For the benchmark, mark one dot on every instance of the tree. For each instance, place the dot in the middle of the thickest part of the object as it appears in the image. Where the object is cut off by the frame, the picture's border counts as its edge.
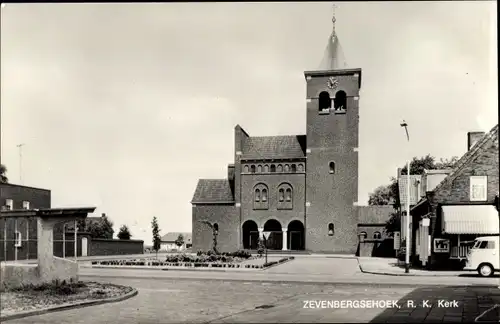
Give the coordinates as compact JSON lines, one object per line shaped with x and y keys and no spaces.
{"x":215,"y":233}
{"x":3,"y":172}
{"x":393,"y":224}
{"x":124,"y":233}
{"x":156,"y":236}
{"x":179,"y":241}
{"x":103,"y":228}
{"x":389,"y":194}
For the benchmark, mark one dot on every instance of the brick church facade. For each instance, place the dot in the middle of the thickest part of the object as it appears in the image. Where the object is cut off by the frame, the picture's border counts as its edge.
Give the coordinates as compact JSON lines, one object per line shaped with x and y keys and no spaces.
{"x":301,"y":188}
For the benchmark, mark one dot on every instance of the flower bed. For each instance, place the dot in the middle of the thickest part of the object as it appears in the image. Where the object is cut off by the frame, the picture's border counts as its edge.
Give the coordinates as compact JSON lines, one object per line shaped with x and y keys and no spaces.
{"x":229,"y":260}
{"x":49,"y":295}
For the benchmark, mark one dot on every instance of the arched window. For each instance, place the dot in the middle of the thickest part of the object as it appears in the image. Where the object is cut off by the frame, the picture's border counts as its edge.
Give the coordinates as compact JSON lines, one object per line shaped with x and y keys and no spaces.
{"x":261,"y":199}
{"x":280,"y":168}
{"x":259,"y":169}
{"x":332,"y":167}
{"x":377,"y":236}
{"x":257,"y":195}
{"x":287,"y":168}
{"x":266,"y":168}
{"x":362,"y":236}
{"x":294,"y":168}
{"x":273,"y":168}
{"x":246,"y":168}
{"x":285,"y":196}
{"x":324,"y":101}
{"x":301,"y":168}
{"x":340,"y":101}
{"x":252,"y":168}
{"x":331,"y":229}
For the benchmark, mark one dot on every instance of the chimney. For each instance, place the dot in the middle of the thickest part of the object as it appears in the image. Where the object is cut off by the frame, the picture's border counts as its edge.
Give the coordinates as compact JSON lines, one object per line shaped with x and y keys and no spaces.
{"x":473,"y":138}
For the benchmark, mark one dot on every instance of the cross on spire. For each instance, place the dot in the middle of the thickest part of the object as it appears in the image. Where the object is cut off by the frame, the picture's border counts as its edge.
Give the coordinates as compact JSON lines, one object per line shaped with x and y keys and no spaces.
{"x":333,"y":58}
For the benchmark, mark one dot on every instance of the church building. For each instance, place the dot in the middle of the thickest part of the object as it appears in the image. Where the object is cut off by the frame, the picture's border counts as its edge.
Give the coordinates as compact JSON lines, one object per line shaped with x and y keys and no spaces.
{"x":303,"y":189}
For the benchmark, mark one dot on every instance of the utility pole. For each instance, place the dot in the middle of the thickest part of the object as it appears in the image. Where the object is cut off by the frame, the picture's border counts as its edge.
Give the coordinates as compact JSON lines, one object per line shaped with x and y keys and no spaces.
{"x":20,"y":147}
{"x":408,"y":228}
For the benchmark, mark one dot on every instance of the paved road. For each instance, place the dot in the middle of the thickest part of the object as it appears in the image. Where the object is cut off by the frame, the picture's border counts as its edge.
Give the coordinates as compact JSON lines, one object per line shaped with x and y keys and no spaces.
{"x":173,"y":301}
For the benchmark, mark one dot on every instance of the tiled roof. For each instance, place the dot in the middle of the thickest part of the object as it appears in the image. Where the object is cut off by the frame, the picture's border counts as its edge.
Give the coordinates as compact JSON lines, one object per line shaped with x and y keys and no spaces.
{"x":213,"y":191}
{"x":172,"y":236}
{"x":274,"y":147}
{"x":468,"y":157}
{"x":416,"y":181}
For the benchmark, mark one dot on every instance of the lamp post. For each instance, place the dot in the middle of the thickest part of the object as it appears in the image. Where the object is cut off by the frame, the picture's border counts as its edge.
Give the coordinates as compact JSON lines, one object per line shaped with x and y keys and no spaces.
{"x":407,"y":254}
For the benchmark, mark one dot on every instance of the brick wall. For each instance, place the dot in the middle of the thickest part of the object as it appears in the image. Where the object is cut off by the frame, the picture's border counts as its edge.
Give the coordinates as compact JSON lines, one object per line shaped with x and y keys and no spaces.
{"x":27,"y":226}
{"x":115,"y":247}
{"x":38,"y":198}
{"x":226,"y":217}
{"x":272,"y":181}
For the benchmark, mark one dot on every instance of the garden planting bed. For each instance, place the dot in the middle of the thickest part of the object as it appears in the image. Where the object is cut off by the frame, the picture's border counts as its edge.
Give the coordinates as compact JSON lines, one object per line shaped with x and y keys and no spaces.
{"x":33,"y":298}
{"x":200,"y":261}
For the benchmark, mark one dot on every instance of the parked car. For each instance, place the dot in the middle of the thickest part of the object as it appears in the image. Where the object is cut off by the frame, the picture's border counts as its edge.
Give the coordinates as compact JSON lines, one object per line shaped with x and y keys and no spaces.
{"x":483,"y":257}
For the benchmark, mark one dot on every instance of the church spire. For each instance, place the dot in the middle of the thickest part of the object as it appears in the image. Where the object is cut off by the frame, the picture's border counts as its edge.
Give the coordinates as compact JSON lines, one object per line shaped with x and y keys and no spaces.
{"x":333,"y":58}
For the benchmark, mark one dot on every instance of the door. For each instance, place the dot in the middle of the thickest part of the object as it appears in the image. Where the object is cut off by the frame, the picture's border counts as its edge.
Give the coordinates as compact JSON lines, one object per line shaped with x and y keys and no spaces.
{"x":84,"y":246}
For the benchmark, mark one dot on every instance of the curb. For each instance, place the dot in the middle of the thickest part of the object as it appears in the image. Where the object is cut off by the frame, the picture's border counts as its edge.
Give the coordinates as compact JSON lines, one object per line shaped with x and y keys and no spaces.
{"x":52,"y":309}
{"x":381,"y":273}
{"x":277,"y":264}
{"x":478,"y":319}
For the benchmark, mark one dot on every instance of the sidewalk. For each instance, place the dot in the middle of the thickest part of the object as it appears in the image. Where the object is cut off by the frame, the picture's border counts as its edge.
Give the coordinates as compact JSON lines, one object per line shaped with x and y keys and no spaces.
{"x":465,"y":305}
{"x":389,"y":267}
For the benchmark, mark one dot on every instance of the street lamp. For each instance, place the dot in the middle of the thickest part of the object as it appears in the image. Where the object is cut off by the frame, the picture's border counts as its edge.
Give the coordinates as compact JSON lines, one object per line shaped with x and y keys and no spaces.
{"x":407,"y":254}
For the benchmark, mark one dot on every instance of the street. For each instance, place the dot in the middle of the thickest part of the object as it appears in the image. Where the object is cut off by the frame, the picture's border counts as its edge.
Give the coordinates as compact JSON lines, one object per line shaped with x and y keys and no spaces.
{"x":280,"y":294}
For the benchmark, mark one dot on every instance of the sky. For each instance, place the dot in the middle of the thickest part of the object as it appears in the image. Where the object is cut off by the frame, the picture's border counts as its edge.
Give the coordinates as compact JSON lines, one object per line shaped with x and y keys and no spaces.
{"x":125,"y":106}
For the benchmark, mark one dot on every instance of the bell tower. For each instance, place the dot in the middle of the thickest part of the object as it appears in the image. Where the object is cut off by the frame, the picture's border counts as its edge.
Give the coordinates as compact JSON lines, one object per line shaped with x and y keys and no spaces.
{"x":332,"y":152}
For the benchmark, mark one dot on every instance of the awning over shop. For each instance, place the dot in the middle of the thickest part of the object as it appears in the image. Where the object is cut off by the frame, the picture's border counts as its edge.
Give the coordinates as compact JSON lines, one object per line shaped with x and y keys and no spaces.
{"x":470,"y":219}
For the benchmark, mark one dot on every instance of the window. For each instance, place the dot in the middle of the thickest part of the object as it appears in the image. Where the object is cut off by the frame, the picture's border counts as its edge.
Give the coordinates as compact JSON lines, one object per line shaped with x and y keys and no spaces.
{"x":273,"y":168}
{"x":261,"y":199}
{"x":491,"y":245}
{"x":332,"y":167}
{"x":259,"y":169}
{"x":26,"y":205}
{"x":257,"y":195}
{"x":280,"y":168}
{"x":252,"y":168}
{"x":285,"y":196}
{"x":9,"y":204}
{"x":331,"y":229}
{"x":340,"y":101}
{"x":301,"y":168}
{"x":18,"y":239}
{"x":216,"y":227}
{"x":362,"y":236}
{"x":478,"y":188}
{"x":266,"y":168}
{"x":482,"y":244}
{"x":294,"y":168}
{"x":324,"y":101}
{"x":377,"y":236}
{"x":246,"y":169}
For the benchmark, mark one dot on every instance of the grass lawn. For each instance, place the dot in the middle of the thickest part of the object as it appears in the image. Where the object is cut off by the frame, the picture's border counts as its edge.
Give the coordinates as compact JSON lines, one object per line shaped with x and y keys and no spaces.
{"x":41,"y":297}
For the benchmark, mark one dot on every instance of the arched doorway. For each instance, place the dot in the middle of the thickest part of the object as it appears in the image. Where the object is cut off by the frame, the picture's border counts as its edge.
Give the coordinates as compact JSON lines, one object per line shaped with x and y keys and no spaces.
{"x":250,"y":235}
{"x":275,"y":240}
{"x":296,"y":235}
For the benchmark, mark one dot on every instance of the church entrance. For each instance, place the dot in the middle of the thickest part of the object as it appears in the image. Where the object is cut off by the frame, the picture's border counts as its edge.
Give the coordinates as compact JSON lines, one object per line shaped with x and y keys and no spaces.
{"x":296,"y":239}
{"x":250,"y":235}
{"x":275,"y":240}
